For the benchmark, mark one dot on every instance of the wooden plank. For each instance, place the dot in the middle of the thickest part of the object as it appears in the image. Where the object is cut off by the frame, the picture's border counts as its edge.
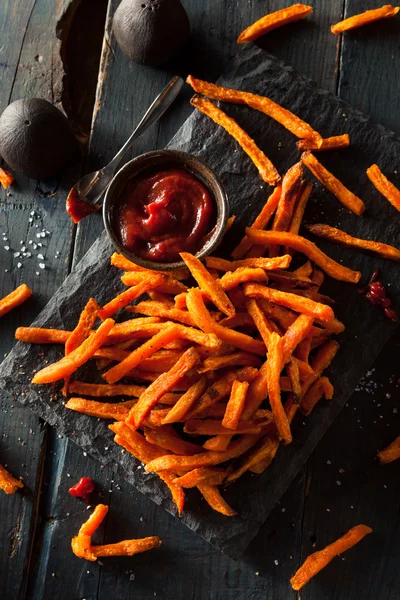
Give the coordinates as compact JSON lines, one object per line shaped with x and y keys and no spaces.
{"x":215,"y":28}
{"x":32,"y":215}
{"x":368,"y":80}
{"x":28,"y":69}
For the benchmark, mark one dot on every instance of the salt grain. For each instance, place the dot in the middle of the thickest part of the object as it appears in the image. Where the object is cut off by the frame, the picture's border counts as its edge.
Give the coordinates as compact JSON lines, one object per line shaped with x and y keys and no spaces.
{"x":42,"y":265}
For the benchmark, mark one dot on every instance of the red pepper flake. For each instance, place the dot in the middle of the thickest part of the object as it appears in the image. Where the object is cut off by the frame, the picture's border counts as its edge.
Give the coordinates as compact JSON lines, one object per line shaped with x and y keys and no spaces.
{"x":375,"y":293}
{"x":83,"y":488}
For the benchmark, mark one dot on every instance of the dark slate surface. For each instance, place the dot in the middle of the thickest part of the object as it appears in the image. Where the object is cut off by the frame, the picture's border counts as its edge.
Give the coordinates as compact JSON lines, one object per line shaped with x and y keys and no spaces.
{"x":367,"y":329}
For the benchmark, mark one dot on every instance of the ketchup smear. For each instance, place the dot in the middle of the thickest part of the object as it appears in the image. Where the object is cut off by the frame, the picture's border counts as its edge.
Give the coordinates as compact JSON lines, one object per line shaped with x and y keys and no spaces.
{"x":83,"y":488}
{"x":164,"y":213}
{"x":375,"y":293}
{"x":77,"y":208}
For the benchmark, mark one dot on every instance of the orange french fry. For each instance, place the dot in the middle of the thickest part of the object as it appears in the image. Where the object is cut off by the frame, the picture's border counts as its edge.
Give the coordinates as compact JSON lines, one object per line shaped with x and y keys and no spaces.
{"x":260,"y":222}
{"x":384,"y":186}
{"x":159,"y":309}
{"x":243,"y":275}
{"x":186,"y":402}
{"x":38,"y":335}
{"x":257,"y":392}
{"x":292,"y":369}
{"x":264,"y":326}
{"x":208,"y":284}
{"x":291,"y":122}
{"x":86,"y":321}
{"x":295,"y":302}
{"x":14,"y":299}
{"x":81,"y":544}
{"x":221,"y":388}
{"x":271,"y":21}
{"x":274,"y":368}
{"x":156,"y":296}
{"x":214,"y":427}
{"x":130,"y":330}
{"x":278,"y":262}
{"x":110,"y":354}
{"x":266,"y":169}
{"x":369,"y":16}
{"x":318,"y":560}
{"x":164,"y":284}
{"x":291,"y":188}
{"x":336,"y":187}
{"x":69,"y":364}
{"x":305,"y":270}
{"x":219,"y":443}
{"x":262,"y":454}
{"x":341,"y":237}
{"x":290,"y":279}
{"x":144,"y":351}
{"x":104,"y":410}
{"x":8,"y":483}
{"x":301,"y":244}
{"x":102,"y":390}
{"x":6,"y":179}
{"x":207,"y":459}
{"x":331,"y":143}
{"x":286,"y":317}
{"x":302,"y":351}
{"x":136,"y":445}
{"x":322,"y":387}
{"x":319,"y":363}
{"x":196,"y":476}
{"x":129,"y":296}
{"x":390,"y":453}
{"x":243,"y":359}
{"x":161,"y":361}
{"x":119,"y":261}
{"x":166,"y":437}
{"x":241,"y":319}
{"x":295,"y":334}
{"x":204,"y":320}
{"x":161,"y":386}
{"x":235,"y":405}
{"x":317,"y":277}
{"x":213,"y":497}
{"x":127,"y":547}
{"x":300,"y":208}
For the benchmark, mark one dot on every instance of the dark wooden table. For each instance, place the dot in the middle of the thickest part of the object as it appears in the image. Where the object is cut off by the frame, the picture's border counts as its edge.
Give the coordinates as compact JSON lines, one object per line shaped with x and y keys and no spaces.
{"x":65,"y":51}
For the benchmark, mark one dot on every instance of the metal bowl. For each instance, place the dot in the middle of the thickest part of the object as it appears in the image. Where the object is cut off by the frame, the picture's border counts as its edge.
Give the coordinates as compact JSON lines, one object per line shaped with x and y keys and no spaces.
{"x":166,"y":159}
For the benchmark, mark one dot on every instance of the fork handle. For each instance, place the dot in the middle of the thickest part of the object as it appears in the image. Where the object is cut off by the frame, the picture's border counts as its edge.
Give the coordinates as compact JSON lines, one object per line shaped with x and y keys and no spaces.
{"x":156,"y":110}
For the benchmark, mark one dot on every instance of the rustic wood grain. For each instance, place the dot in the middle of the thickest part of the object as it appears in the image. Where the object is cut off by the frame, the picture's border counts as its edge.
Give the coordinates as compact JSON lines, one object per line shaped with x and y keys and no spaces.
{"x":185,"y":566}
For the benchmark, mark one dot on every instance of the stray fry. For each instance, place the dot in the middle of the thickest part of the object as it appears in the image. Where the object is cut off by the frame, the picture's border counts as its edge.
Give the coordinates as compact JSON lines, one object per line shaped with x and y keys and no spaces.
{"x":213,"y":497}
{"x":320,"y":559}
{"x":281,"y":115}
{"x":6,"y":179}
{"x":369,"y":16}
{"x":17,"y":297}
{"x":341,"y":237}
{"x":273,"y":20}
{"x":391,"y":452}
{"x":342,"y":193}
{"x":384,"y":186}
{"x":8,"y":483}
{"x":331,"y":143}
{"x":266,"y":169}
{"x":82,"y":546}
{"x":297,"y":242}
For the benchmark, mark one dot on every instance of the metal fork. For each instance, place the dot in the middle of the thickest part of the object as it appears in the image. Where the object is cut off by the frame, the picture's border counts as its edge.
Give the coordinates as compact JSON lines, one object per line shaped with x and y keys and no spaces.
{"x":91,"y":186}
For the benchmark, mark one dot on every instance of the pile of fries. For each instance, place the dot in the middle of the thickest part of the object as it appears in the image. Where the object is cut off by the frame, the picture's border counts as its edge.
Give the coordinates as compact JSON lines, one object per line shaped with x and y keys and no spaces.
{"x":202,"y":355}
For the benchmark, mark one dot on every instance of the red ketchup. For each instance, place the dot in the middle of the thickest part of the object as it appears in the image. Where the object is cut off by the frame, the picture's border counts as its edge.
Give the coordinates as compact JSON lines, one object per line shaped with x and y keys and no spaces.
{"x":83,"y":488}
{"x":77,"y":208}
{"x":375,"y":293}
{"x":163,"y":213}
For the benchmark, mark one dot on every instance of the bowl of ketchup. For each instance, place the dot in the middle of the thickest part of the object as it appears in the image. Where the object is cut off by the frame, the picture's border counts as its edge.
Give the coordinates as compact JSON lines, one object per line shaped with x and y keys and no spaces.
{"x":162,"y":203}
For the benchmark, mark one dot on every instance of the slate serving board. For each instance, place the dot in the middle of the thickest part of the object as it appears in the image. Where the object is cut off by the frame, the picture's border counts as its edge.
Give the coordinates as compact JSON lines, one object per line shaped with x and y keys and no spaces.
{"x":367,"y":330}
